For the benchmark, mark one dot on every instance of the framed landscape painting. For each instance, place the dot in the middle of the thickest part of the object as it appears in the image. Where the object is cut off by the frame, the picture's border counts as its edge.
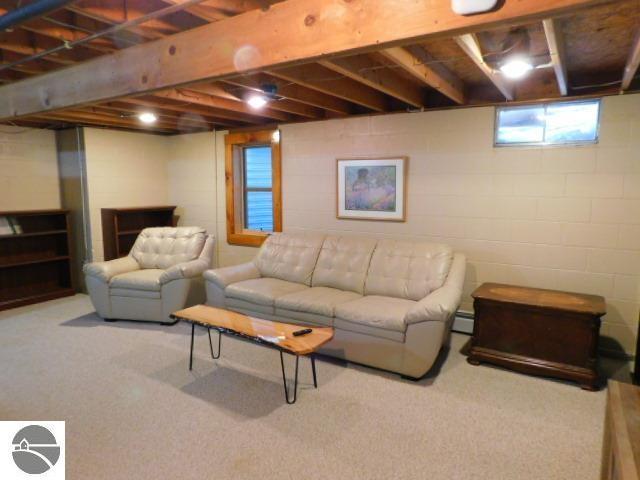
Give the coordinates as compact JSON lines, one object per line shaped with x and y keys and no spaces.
{"x":371,"y":188}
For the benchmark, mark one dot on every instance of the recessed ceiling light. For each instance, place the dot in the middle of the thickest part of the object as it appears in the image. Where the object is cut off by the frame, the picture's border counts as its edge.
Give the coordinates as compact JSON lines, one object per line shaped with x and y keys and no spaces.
{"x":257,"y":101}
{"x":147,"y":117}
{"x":516,"y":68}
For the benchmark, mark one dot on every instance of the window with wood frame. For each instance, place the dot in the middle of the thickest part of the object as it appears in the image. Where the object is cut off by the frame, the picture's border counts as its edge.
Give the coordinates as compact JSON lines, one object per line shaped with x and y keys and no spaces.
{"x":254,"y":194}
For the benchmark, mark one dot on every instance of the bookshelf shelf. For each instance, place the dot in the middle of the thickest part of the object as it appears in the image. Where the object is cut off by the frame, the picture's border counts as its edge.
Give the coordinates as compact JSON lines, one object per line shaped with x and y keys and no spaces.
{"x":121,"y":226}
{"x":35,"y":264}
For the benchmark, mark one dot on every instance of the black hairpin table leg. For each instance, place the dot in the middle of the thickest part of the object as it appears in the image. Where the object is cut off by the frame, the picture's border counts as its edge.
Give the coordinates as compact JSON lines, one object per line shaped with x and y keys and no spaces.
{"x":215,"y":357}
{"x":284,"y":380}
{"x":313,"y":369}
{"x":193,"y":328}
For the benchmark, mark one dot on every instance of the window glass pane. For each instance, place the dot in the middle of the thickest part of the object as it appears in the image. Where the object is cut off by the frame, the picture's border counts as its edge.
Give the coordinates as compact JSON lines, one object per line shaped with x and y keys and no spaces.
{"x":258,"y":167}
{"x":572,"y":122}
{"x":520,"y":125}
{"x":259,"y":211}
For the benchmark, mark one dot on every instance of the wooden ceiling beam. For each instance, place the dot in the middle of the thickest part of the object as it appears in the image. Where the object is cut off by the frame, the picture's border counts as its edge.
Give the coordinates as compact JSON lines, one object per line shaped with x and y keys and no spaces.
{"x":203,"y":100}
{"x":74,"y":117}
{"x":133,"y":110}
{"x":449,"y":85}
{"x":555,"y":42}
{"x":181,"y":106}
{"x":297,"y":99}
{"x":470,"y":45}
{"x":363,"y":69}
{"x":317,"y":77}
{"x":308,"y":30}
{"x":212,"y":96}
{"x":633,"y":62}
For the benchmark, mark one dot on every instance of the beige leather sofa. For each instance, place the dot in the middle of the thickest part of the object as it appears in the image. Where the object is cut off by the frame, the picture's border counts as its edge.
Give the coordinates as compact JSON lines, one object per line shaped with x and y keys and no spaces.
{"x":161,"y":274}
{"x":391,"y":302}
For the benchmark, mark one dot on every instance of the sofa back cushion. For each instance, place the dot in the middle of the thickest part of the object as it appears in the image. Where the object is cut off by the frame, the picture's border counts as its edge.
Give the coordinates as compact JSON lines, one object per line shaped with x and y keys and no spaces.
{"x":343,"y":263}
{"x":163,"y":247}
{"x":288,"y":256}
{"x":407,"y":269}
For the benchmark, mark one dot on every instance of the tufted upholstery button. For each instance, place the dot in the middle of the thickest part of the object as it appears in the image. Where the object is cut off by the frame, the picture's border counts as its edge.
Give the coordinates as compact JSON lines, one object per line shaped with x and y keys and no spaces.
{"x":343,"y":263}
{"x":290,"y":257}
{"x":407,"y":270}
{"x":163,"y":247}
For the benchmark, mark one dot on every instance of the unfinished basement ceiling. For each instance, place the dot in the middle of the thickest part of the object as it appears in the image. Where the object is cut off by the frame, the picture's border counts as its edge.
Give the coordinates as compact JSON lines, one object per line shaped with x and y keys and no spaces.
{"x":597,"y":43}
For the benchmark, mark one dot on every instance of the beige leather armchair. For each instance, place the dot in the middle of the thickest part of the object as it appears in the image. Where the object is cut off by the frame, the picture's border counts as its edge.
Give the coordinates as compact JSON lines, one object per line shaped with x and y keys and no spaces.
{"x":161,"y":274}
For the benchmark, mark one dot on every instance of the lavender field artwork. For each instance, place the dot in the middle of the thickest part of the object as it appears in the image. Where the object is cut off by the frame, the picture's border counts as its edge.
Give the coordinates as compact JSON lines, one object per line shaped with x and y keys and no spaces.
{"x":371,"y":189}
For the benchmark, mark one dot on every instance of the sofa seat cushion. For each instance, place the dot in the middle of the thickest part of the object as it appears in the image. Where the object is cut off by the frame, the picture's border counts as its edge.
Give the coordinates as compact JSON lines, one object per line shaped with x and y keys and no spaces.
{"x":148,"y":279}
{"x":317,"y":300}
{"x":262,"y":291}
{"x":376,"y":311}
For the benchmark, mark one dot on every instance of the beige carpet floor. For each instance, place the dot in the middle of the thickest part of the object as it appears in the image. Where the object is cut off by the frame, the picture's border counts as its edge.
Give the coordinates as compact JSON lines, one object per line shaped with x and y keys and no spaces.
{"x":134,"y":411}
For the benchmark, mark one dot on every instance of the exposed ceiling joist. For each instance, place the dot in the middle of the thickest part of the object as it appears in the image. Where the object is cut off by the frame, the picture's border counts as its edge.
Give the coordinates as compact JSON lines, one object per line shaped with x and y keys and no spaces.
{"x":470,"y":45}
{"x":555,"y":41}
{"x":633,"y":62}
{"x":307,"y":101}
{"x":450,"y":87}
{"x":326,"y":81}
{"x":200,"y":97}
{"x":363,"y":69}
{"x":248,"y":42}
{"x":188,"y":109}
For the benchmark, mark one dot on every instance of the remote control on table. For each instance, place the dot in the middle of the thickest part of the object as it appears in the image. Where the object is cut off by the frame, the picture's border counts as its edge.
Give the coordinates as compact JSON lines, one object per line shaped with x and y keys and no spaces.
{"x":297,"y":333}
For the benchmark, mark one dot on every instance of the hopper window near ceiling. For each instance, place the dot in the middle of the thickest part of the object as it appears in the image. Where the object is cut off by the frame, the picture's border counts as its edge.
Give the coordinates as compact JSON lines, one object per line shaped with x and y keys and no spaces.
{"x":253,"y":186}
{"x":561,"y":123}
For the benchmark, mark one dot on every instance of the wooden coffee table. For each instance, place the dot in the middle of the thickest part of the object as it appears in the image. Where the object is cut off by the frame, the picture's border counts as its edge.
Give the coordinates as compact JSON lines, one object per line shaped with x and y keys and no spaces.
{"x":275,"y":335}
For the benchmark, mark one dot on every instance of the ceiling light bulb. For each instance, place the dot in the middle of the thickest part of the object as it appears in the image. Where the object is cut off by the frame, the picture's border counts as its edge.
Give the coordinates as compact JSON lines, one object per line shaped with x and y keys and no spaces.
{"x":147,"y":117}
{"x":257,"y":101}
{"x":516,"y":68}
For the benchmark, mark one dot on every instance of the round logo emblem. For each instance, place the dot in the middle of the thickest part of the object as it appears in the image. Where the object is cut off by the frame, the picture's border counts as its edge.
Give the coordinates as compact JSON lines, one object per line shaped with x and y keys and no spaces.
{"x":35,"y":449}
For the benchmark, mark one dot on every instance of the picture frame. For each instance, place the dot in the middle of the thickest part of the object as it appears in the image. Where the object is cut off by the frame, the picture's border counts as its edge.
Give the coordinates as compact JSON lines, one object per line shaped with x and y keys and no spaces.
{"x":371,"y":188}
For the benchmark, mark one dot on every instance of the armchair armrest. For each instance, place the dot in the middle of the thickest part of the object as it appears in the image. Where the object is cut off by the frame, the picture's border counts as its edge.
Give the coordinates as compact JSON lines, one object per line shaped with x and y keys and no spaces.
{"x":223,"y":277}
{"x":105,"y":271}
{"x":190,"y":269}
{"x":443,"y":302}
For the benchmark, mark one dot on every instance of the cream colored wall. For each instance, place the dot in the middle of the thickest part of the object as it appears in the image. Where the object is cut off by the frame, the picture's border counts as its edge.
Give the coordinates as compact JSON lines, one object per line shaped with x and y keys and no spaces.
{"x":562,"y":218}
{"x":192,"y":183}
{"x":28,"y":169}
{"x":124,"y":169}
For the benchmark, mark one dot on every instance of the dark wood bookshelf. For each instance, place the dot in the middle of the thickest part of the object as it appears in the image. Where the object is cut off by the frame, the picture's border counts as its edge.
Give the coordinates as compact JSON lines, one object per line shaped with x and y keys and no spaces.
{"x":121,"y":226}
{"x":35,"y":264}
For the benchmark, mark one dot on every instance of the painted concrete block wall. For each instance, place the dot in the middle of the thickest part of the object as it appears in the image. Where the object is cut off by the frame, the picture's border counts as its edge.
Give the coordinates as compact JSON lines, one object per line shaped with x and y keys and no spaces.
{"x":123,"y":169}
{"x":555,"y":217}
{"x":28,"y":169}
{"x":191,"y":177}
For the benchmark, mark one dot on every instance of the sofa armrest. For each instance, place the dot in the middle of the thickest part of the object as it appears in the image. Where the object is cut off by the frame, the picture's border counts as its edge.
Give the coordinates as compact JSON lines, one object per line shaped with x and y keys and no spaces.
{"x":443,"y":302}
{"x":105,"y":271}
{"x":190,"y":269}
{"x":224,"y":277}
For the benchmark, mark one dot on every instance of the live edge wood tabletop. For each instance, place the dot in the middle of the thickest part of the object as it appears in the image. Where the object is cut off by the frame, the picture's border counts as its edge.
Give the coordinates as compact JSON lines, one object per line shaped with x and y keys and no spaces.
{"x":537,"y":331}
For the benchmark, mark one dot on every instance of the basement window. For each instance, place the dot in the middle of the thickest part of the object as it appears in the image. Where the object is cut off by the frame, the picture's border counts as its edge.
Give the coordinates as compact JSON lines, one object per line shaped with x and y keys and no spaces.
{"x":253,"y":186}
{"x":559,"y":123}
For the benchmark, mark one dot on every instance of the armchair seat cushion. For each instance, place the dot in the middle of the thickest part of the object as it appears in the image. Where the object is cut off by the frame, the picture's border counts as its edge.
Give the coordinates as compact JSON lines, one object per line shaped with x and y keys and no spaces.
{"x":148,"y":280}
{"x":387,"y":313}
{"x":316,"y":300}
{"x":262,"y":291}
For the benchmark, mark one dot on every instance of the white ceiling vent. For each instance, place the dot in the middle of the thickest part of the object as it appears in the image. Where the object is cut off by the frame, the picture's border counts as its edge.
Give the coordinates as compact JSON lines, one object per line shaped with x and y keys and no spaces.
{"x":469,"y":7}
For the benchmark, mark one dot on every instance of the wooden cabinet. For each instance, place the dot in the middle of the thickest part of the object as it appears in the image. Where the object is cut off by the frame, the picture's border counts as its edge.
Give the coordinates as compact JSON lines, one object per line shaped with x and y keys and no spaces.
{"x":621,"y":442}
{"x":35,"y":260}
{"x":121,"y":226}
{"x":536,"y":331}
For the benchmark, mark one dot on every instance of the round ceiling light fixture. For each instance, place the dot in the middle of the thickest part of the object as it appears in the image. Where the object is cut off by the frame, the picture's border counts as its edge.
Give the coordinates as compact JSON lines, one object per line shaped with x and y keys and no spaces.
{"x":516,"y":67}
{"x":260,"y":98}
{"x":148,"y":117}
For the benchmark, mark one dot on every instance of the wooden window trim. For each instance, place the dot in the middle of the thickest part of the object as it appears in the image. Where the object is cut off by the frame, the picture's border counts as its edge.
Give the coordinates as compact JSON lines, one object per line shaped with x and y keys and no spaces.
{"x":234,"y":142}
